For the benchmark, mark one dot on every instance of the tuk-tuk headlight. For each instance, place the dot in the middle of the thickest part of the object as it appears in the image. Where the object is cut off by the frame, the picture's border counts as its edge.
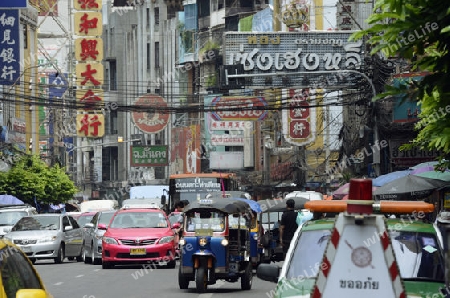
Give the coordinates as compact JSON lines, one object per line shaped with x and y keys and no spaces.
{"x":202,"y":241}
{"x":182,"y":242}
{"x":224,"y":242}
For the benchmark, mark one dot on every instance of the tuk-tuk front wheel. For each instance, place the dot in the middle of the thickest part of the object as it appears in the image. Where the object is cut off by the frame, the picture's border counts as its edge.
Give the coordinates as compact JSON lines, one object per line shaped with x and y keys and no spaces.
{"x":246,"y":279}
{"x":201,"y":279}
{"x":183,"y":282}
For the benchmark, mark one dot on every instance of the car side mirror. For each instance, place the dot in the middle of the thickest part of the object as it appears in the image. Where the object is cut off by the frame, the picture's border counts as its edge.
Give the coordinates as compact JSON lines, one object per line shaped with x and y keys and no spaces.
{"x":163,"y":200}
{"x":89,"y":225}
{"x":35,"y":293}
{"x":67,"y":228}
{"x":102,"y":227}
{"x":268,"y":272}
{"x":176,"y":225}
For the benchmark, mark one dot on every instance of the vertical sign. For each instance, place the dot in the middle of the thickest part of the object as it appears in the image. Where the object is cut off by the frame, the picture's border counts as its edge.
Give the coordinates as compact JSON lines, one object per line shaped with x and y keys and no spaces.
{"x":89,"y":69}
{"x":9,"y":47}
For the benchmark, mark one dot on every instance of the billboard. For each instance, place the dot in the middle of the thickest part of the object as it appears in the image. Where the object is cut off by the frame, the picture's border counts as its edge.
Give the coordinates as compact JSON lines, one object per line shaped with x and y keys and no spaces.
{"x":9,"y":47}
{"x":294,"y":59}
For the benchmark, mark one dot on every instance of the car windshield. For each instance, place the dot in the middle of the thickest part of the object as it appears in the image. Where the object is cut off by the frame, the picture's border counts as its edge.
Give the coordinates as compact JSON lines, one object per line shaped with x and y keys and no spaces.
{"x":418,"y":255}
{"x":9,"y":218}
{"x":139,"y":220}
{"x":34,"y":223}
{"x":84,"y":219}
{"x":105,"y":218}
{"x":205,"y":221}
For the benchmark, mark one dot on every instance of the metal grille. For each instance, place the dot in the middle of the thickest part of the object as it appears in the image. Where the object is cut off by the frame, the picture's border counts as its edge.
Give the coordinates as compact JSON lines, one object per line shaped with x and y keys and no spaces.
{"x":128,"y":256}
{"x":326,"y":59}
{"x":133,"y":242}
{"x":24,"y":241}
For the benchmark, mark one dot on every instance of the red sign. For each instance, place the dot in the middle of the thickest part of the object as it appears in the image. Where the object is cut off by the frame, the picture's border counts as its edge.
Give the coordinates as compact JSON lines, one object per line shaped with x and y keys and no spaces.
{"x":152,"y":120}
{"x":239,"y":108}
{"x":299,"y":129}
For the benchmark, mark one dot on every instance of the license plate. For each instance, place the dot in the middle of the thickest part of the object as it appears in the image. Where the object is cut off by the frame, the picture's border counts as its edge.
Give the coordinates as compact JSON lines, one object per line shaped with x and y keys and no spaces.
{"x":137,"y":251}
{"x":26,"y":249}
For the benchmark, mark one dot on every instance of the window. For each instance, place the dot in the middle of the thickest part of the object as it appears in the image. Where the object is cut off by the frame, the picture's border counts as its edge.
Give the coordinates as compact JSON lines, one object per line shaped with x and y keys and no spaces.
{"x":148,"y":56}
{"x":156,"y":15}
{"x":203,"y":9}
{"x":66,"y":221}
{"x":73,"y":222}
{"x":216,"y":5}
{"x":156,"y":54}
{"x":112,"y":75}
{"x":17,"y":272}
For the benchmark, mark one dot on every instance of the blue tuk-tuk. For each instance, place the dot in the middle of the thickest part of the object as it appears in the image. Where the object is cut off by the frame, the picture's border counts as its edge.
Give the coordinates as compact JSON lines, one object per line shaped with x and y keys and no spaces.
{"x":215,"y":244}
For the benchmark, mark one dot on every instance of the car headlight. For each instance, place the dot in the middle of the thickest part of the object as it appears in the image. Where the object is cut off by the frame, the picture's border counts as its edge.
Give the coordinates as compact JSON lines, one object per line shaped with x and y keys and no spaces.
{"x":47,"y":239}
{"x":224,"y":242}
{"x":165,"y":239}
{"x":109,"y":240}
{"x":203,"y":241}
{"x":182,"y":242}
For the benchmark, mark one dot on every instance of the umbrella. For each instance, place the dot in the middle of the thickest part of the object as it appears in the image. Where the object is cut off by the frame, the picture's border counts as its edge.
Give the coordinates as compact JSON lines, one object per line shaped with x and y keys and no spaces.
{"x":10,"y":200}
{"x":342,"y":191}
{"x":424,"y":164}
{"x":408,"y":188}
{"x":253,"y":204}
{"x":445,"y":176}
{"x":383,"y":179}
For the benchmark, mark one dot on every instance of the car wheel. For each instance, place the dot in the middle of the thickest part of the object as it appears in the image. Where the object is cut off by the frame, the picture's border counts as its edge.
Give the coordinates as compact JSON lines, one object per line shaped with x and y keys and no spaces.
{"x":171,"y":264}
{"x":95,"y":261}
{"x":183,"y":282}
{"x":80,"y":258}
{"x":201,"y":281}
{"x":246,"y":279}
{"x":107,"y":265}
{"x":60,"y":257}
{"x":86,"y":259}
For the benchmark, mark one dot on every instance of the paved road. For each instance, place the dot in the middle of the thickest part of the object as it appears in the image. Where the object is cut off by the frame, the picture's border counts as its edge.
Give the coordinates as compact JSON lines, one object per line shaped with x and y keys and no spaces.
{"x":79,"y":280}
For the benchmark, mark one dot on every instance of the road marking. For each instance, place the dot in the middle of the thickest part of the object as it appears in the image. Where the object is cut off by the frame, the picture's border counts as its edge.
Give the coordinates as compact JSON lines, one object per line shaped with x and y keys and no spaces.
{"x":97,"y":270}
{"x":58,"y":283}
{"x":81,"y":275}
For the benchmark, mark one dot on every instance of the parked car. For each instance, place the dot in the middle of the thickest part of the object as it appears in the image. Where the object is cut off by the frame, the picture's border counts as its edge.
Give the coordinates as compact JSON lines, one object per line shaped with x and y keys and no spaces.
{"x":92,"y":236}
{"x":48,"y":236}
{"x":138,"y":236}
{"x":19,"y":278}
{"x":10,"y":214}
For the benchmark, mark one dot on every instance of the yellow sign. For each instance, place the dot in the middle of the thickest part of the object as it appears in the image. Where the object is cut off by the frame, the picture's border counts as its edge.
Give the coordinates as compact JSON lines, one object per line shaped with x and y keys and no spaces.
{"x":87,"y":4}
{"x":91,"y":125}
{"x":88,"y":23}
{"x":89,"y":74}
{"x":89,"y":49}
{"x":90,"y":98}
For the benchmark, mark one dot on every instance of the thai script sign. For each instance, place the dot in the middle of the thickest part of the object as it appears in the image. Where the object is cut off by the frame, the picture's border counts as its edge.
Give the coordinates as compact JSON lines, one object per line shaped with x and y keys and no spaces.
{"x":227,"y":139}
{"x":229,"y":125}
{"x":149,"y":156}
{"x":412,"y":157}
{"x":247,"y":108}
{"x":9,"y":47}
{"x":197,"y":185}
{"x":297,"y":56}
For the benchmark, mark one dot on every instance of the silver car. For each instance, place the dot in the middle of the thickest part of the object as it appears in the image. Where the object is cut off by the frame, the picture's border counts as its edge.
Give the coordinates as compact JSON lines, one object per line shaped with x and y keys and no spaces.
{"x":92,"y":237}
{"x":48,"y":236}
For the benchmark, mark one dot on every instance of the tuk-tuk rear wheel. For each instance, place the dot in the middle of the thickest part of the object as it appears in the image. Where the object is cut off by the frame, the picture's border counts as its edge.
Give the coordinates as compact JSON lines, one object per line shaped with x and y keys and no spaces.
{"x":246,"y":279}
{"x":201,"y":281}
{"x":183,"y":282}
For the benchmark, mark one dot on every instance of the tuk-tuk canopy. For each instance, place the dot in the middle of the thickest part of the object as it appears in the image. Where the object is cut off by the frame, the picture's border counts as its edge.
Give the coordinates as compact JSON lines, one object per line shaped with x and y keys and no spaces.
{"x":225,"y":205}
{"x":279,"y":205}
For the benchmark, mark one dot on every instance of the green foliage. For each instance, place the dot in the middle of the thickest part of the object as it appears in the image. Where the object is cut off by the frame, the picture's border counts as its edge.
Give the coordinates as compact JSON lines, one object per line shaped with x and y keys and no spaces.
{"x":31,"y":177}
{"x":210,"y":45}
{"x":418,"y":31}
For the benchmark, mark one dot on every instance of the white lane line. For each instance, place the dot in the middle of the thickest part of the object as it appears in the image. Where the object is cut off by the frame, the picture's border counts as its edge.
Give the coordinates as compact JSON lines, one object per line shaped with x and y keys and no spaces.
{"x":58,"y":283}
{"x":97,"y":270}
{"x":81,"y":275}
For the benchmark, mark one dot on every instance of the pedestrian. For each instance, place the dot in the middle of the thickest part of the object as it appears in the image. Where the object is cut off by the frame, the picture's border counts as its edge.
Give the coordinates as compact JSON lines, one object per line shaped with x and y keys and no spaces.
{"x":288,"y":225}
{"x":179,"y":207}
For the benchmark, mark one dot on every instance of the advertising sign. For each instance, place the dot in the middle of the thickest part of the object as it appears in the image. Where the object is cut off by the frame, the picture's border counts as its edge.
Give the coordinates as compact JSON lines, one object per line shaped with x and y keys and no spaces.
{"x":90,"y":125}
{"x":404,"y":109}
{"x":9,"y":47}
{"x":152,"y":120}
{"x":149,"y":156}
{"x":57,"y":85}
{"x":297,"y":59}
{"x":13,"y":4}
{"x":409,"y":158}
{"x":245,"y":108}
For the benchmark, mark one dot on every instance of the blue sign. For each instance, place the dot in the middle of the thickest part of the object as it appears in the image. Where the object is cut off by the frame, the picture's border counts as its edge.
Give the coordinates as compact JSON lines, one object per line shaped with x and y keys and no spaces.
{"x":57,"y":85}
{"x":13,"y":4}
{"x":9,"y":47}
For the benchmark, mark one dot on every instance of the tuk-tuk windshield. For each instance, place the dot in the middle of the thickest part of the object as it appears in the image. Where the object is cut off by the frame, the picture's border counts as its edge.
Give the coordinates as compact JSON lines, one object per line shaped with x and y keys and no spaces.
{"x":208,"y":220}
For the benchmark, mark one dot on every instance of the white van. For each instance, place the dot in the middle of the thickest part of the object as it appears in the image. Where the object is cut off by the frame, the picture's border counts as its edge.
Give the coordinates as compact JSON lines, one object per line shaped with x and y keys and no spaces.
{"x":310,"y":195}
{"x":98,"y":205}
{"x":154,"y":203}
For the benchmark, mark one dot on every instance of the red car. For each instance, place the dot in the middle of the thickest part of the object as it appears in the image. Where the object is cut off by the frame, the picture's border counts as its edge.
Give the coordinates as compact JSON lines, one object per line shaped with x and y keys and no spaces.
{"x":139,"y":236}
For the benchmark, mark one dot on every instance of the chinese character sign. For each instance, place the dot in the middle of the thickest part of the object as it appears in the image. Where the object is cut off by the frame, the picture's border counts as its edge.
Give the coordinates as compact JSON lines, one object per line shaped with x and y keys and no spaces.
{"x":89,"y":74}
{"x":9,"y":47}
{"x":87,"y":4}
{"x":88,"y":23}
{"x":90,"y":125}
{"x":89,"y":49}
{"x":90,"y":99}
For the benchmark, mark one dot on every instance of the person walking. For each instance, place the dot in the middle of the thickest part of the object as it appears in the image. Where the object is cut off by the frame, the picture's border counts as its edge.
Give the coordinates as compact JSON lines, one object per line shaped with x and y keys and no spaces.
{"x":288,"y":225}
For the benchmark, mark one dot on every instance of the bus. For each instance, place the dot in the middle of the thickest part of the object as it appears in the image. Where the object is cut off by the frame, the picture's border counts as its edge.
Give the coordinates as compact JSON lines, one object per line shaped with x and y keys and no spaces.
{"x":190,"y":187}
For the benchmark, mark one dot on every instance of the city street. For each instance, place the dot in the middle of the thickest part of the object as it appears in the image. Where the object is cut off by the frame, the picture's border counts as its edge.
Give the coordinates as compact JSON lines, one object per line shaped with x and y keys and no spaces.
{"x":79,"y":280}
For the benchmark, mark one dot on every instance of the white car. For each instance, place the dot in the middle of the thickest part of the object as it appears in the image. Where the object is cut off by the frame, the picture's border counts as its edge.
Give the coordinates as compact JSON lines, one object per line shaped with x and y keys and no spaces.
{"x":10,"y":214}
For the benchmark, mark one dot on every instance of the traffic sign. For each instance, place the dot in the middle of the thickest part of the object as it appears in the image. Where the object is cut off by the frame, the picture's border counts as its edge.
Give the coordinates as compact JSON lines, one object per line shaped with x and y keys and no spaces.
{"x":13,"y":4}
